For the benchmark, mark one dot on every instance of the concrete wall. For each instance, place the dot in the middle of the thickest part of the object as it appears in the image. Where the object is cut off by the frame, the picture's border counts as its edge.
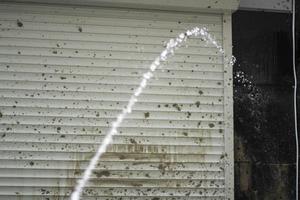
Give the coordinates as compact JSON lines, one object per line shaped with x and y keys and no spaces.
{"x":264,"y":126}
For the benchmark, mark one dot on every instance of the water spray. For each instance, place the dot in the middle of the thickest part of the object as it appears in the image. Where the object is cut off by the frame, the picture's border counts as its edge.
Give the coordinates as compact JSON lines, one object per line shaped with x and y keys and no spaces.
{"x":172,"y":45}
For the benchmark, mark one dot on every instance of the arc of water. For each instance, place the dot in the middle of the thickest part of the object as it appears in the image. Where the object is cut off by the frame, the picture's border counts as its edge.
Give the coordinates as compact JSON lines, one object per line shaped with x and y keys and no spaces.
{"x":172,"y":45}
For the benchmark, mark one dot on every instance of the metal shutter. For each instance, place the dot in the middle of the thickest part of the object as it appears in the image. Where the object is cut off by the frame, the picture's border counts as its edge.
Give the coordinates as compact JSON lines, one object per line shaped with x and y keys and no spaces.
{"x":67,"y":72}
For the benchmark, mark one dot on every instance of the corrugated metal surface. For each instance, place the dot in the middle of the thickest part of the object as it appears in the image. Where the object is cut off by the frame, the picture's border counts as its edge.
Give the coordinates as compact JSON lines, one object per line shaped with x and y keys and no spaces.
{"x":66,"y":73}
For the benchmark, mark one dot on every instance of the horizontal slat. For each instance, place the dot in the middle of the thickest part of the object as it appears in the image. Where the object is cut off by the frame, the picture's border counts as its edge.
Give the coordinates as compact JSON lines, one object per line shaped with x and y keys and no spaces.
{"x":209,"y":76}
{"x":123,"y":30}
{"x":116,"y":55}
{"x":7,"y":59}
{"x":108,"y":114}
{"x":97,"y":70}
{"x":59,"y":121}
{"x":80,"y":156}
{"x":118,"y":90}
{"x":93,"y":47}
{"x":119,"y":192}
{"x":71,"y":165}
{"x":92,"y":131}
{"x":108,"y":80}
{"x":111,"y":175}
{"x":141,"y":64}
{"x":34,"y":99}
{"x":148,"y":123}
{"x":61,"y":137}
{"x":121,"y":142}
{"x":101,"y":15}
{"x":200,"y":149}
{"x":165,"y":184}
{"x":92,"y":37}
{"x":108,"y":101}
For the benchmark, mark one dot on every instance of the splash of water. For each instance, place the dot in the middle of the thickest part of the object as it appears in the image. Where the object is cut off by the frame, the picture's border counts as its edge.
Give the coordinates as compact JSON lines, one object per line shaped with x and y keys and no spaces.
{"x":172,"y":45}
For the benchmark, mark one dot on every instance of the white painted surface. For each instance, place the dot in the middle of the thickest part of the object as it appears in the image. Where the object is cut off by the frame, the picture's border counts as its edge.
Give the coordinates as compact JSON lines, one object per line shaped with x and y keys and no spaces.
{"x":66,"y":73}
{"x":178,"y":5}
{"x":228,"y":110}
{"x":268,"y":5}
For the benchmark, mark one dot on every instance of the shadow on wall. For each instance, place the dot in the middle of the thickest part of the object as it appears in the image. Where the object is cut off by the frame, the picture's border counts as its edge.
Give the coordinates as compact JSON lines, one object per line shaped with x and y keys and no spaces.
{"x":264,"y":127}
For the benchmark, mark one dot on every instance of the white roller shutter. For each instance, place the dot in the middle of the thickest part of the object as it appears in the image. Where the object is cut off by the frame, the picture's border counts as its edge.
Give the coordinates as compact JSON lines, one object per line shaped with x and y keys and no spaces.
{"x":67,"y":72}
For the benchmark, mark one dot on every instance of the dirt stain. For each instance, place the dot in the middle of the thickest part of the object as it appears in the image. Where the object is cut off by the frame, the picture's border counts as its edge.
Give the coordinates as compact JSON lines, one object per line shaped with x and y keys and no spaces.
{"x":175,"y":105}
{"x":19,"y":23}
{"x":147,"y":115}
{"x":102,"y":173}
